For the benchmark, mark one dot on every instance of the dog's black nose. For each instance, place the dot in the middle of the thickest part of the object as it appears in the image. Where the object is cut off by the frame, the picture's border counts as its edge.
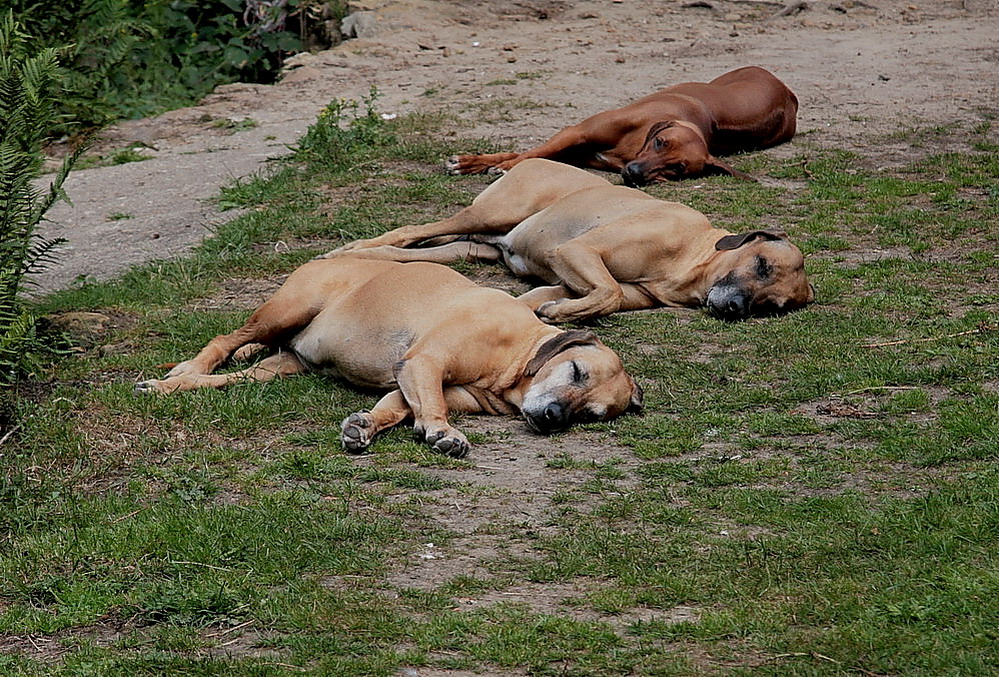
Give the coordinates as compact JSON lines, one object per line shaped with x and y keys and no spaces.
{"x":552,"y":418}
{"x":555,"y":415}
{"x":732,"y":308}
{"x":633,"y":175}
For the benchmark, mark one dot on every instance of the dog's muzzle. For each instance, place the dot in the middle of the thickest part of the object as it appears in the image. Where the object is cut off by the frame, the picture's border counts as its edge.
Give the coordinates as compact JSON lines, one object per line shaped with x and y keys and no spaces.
{"x":633,"y":175}
{"x":728,"y":303}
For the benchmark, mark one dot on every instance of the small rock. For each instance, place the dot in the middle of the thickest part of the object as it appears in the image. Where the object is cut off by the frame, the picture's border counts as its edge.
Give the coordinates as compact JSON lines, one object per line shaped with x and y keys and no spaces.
{"x":80,"y":322}
{"x":359,"y":25}
{"x":302,"y":74}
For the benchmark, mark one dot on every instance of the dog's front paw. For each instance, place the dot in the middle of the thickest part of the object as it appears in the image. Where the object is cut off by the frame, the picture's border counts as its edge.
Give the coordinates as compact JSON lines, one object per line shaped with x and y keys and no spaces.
{"x":468,"y":164}
{"x":548,"y":312}
{"x":357,"y":431}
{"x":447,"y":441}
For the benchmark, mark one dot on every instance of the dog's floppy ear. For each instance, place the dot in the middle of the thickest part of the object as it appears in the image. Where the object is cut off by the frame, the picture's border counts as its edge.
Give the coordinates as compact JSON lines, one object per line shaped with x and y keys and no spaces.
{"x":637,"y":403}
{"x":736,"y":241}
{"x":555,"y":345}
{"x":715,"y":166}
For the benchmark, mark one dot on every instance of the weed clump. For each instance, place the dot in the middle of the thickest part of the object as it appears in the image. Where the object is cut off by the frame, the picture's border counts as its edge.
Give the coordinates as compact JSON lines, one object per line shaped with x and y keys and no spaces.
{"x":342,"y":137}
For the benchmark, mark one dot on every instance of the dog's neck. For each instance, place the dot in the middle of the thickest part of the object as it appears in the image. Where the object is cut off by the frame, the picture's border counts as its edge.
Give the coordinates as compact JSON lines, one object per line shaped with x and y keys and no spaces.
{"x":521,"y":382}
{"x":687,"y":286}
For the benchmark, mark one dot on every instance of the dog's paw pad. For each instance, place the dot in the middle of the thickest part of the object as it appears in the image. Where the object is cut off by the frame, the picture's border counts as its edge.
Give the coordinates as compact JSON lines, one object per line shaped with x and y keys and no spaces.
{"x":355,"y":432}
{"x":454,"y":444}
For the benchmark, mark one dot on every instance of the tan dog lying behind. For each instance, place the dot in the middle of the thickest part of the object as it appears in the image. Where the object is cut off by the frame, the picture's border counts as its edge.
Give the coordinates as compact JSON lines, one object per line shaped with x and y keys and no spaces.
{"x":673,"y":134}
{"x":606,"y":248}
{"x":435,"y":340}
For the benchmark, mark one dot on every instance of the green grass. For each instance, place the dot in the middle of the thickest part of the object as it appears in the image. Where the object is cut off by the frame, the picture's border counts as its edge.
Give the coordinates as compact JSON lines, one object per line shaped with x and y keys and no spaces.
{"x":120,"y":156}
{"x":814,"y":494}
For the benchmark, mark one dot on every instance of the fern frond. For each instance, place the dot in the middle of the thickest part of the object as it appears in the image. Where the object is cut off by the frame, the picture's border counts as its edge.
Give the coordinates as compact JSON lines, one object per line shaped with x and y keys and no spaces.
{"x":28,"y":90}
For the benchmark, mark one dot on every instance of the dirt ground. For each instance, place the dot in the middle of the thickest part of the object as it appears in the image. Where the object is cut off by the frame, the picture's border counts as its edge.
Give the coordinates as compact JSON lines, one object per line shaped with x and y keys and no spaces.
{"x":519,"y":71}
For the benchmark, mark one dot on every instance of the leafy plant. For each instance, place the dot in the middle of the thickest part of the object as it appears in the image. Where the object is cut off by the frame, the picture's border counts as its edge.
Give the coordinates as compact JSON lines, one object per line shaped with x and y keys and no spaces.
{"x":126,"y":59}
{"x":341,"y":131}
{"x":28,"y":92}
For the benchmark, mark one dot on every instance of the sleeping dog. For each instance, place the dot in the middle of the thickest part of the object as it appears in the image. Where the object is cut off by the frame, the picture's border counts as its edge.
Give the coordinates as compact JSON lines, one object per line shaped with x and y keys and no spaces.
{"x":435,"y":340}
{"x":676,"y":133}
{"x":605,"y":248}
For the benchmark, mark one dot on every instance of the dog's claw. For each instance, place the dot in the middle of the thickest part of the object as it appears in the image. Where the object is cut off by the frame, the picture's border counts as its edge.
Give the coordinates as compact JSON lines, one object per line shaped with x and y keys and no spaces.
{"x":144,"y":387}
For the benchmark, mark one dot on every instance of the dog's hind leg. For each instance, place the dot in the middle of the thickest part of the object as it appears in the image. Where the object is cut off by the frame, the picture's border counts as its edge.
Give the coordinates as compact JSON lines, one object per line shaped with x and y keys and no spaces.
{"x":291,"y":308}
{"x":248,"y":352}
{"x":472,"y":220}
{"x":281,"y":364}
{"x":448,"y":253}
{"x":497,"y":210}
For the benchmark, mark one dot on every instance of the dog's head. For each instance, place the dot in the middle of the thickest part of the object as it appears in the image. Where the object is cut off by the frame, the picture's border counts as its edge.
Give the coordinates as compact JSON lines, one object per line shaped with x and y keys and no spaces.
{"x":761,"y":274}
{"x":575,"y":379}
{"x":674,"y":150}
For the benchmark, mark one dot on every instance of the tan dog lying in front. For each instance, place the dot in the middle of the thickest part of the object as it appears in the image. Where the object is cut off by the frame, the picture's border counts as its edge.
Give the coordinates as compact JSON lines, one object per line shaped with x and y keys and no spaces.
{"x":435,"y":340}
{"x":605,"y":248}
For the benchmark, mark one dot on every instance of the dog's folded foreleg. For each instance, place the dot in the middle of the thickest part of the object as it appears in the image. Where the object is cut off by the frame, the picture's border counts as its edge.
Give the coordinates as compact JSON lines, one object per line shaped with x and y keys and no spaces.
{"x":540,"y":296}
{"x":359,"y":429}
{"x":582,"y":270}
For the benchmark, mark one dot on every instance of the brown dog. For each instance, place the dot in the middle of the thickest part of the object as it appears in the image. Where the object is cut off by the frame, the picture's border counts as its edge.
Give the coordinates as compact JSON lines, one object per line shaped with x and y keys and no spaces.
{"x":606,"y":248}
{"x":675,"y":133}
{"x":436,"y":340}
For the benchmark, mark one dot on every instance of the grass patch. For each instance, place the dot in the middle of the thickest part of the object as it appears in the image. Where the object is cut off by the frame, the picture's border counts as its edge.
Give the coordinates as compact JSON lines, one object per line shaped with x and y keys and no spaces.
{"x":814,"y":494}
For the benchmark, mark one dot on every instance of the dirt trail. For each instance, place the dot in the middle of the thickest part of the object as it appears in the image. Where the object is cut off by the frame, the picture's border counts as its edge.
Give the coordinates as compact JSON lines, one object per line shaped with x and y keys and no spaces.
{"x":518,"y":71}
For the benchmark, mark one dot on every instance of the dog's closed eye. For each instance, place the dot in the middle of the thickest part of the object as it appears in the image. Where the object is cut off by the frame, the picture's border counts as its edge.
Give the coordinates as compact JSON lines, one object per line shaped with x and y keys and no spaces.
{"x":764,"y":268}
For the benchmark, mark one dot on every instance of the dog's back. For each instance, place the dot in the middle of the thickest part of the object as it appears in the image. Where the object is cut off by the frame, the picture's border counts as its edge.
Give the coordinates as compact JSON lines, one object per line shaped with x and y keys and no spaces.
{"x":745,"y":109}
{"x":635,"y":218}
{"x":751,"y":108}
